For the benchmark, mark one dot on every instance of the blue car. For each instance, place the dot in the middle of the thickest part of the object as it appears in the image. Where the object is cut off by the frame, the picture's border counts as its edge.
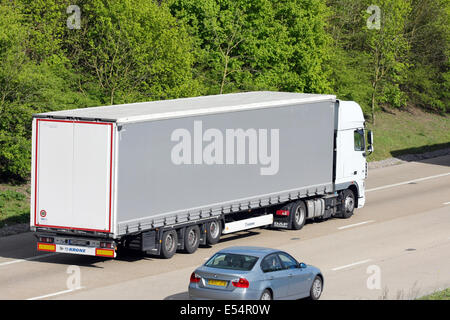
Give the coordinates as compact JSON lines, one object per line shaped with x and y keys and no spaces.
{"x":253,"y":273}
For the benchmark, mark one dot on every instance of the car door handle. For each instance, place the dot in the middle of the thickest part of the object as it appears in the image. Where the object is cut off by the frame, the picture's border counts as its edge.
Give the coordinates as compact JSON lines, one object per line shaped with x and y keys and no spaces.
{"x":291,"y":275}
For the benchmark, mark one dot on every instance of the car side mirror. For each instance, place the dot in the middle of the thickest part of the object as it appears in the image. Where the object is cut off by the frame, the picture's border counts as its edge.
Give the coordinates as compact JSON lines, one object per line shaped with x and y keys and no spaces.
{"x":302,"y":265}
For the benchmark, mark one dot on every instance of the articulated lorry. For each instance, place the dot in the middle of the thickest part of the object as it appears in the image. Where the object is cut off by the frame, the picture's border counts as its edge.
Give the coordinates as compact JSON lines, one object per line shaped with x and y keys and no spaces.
{"x":171,"y":175}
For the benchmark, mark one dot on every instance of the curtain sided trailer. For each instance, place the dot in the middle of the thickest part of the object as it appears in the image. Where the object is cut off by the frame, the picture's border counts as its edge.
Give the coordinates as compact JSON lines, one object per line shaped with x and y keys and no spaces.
{"x":170,"y":175}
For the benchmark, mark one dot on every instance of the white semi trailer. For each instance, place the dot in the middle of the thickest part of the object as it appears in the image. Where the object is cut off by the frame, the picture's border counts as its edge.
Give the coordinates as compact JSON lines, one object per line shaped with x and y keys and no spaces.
{"x":171,"y":175}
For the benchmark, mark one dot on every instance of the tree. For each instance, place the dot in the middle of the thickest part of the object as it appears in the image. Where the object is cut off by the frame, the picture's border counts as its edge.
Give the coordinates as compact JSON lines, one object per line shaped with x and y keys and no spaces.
{"x":428,"y":30}
{"x":134,"y":49}
{"x":389,"y":50}
{"x":258,"y":44}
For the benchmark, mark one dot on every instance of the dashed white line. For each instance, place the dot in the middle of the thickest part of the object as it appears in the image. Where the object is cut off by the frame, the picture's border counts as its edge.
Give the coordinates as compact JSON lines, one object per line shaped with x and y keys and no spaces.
{"x":445,"y":203}
{"x":355,"y":224}
{"x":27,"y":259}
{"x":407,"y":182}
{"x":351,"y":265}
{"x":55,"y":294}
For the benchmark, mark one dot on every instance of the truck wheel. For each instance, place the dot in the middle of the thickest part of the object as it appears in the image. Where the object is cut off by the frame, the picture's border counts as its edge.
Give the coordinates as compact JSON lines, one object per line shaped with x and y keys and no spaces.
{"x":191,"y":238}
{"x":213,"y":232}
{"x":298,"y":215}
{"x":348,"y":199}
{"x":169,"y":244}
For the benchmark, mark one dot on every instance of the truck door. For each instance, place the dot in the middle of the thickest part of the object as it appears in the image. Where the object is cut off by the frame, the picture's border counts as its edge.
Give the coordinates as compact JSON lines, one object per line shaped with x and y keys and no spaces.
{"x":351,"y":163}
{"x":72,"y":174}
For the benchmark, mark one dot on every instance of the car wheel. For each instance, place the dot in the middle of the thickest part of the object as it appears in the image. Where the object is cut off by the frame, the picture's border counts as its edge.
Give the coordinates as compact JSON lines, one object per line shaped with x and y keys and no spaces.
{"x":298,"y":215}
{"x":316,"y":288}
{"x":266,"y":295}
{"x":348,"y":203}
{"x":169,"y":244}
{"x":191,"y":239}
{"x":213,"y":232}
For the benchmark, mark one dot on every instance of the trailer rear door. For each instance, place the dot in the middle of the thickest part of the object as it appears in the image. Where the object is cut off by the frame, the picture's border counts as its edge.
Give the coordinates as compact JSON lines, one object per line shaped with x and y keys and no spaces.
{"x":73,"y":174}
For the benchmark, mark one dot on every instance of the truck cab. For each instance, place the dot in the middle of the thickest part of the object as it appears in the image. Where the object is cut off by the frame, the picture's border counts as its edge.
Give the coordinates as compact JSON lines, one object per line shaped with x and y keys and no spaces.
{"x":351,"y":152}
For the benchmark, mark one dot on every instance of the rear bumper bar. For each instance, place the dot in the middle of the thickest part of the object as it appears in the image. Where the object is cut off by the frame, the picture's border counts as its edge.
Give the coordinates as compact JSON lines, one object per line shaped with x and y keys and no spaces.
{"x":88,"y":251}
{"x":76,"y":245}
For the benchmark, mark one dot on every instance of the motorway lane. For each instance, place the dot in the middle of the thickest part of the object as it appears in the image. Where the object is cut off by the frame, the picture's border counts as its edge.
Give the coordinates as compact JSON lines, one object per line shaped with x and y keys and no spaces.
{"x":409,"y":216}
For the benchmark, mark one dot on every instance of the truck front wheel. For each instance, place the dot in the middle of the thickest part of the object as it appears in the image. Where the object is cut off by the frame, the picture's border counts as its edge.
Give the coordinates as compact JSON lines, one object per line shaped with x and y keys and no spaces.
{"x":169,"y":244}
{"x":348,"y":203}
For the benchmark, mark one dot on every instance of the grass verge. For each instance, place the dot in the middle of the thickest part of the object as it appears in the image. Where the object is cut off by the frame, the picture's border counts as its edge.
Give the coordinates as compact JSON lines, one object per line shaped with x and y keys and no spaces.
{"x":400,"y":132}
{"x":439,"y":295}
{"x":14,"y":204}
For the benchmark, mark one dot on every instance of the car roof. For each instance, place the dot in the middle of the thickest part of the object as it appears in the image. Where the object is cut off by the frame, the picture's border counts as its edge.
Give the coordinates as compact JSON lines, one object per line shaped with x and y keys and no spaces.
{"x":251,"y":251}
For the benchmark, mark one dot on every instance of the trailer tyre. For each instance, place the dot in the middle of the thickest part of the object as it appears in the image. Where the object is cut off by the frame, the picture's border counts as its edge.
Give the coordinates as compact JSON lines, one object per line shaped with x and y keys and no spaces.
{"x":298,"y":215}
{"x":213,"y":232}
{"x":191,"y":239}
{"x":169,"y":244}
{"x":348,"y":205}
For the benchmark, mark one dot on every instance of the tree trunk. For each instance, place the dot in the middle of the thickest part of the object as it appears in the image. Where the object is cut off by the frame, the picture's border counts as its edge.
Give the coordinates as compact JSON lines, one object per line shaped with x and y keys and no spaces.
{"x":224,"y":75}
{"x":373,"y":107}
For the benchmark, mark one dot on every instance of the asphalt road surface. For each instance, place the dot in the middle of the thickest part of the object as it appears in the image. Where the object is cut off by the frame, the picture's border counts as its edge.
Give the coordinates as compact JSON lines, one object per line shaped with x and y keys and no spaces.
{"x":396,"y":247}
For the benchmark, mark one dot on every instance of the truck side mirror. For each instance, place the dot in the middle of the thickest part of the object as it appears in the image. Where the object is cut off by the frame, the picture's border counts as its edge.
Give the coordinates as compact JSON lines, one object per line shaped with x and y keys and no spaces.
{"x":370,"y":141}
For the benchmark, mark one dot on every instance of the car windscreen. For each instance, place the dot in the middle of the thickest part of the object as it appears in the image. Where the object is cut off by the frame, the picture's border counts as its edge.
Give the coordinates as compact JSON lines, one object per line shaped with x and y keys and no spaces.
{"x":232,"y":261}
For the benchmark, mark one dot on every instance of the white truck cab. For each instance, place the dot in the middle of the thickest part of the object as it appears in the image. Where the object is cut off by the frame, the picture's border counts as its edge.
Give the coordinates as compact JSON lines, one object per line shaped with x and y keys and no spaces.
{"x":351,"y":163}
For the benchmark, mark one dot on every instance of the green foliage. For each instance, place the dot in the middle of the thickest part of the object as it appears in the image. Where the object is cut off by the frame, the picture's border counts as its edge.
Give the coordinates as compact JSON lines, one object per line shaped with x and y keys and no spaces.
{"x":404,"y":62}
{"x":258,"y":44}
{"x":132,"y":50}
{"x":428,"y":81}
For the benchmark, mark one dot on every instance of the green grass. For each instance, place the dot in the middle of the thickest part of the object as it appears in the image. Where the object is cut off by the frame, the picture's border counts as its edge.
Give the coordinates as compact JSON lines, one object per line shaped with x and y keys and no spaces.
{"x":440,"y":295}
{"x":405,"y":132}
{"x":14,"y":204}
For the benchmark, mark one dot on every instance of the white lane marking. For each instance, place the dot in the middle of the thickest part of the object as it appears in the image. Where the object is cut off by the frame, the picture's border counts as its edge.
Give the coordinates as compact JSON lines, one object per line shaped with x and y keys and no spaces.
{"x":446,"y":202}
{"x":351,"y":265}
{"x":55,"y":294}
{"x":406,"y":182}
{"x":27,"y":259}
{"x":355,"y":224}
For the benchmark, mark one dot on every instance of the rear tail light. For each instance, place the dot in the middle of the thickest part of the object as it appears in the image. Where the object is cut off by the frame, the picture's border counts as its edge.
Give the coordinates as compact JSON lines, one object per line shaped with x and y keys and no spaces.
{"x":241,"y":283}
{"x":46,"y":239}
{"x":282,"y":212}
{"x":195,"y":278}
{"x":106,"y":245}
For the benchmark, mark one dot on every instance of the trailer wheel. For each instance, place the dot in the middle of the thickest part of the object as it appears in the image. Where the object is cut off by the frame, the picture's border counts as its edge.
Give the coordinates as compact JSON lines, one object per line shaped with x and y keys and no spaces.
{"x":213,"y":232}
{"x":169,"y":244}
{"x":191,"y":238}
{"x":348,"y":205}
{"x":298,"y":215}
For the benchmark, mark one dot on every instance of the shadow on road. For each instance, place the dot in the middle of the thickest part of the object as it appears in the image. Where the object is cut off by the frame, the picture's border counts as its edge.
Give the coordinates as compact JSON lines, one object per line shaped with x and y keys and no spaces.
{"x":432,"y":154}
{"x":178,"y":296}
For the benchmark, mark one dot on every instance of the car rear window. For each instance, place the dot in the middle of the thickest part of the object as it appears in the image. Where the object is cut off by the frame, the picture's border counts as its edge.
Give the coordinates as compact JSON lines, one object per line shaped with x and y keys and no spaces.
{"x":232,"y":261}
